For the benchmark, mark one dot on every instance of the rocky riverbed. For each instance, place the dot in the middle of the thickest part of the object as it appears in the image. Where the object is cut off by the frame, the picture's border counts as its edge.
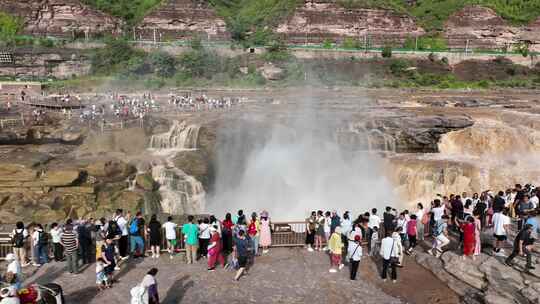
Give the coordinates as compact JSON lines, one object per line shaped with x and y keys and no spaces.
{"x":416,"y":144}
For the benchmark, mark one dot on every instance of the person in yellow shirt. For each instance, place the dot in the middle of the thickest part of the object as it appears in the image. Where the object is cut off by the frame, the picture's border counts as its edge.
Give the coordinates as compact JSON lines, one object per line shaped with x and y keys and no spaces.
{"x":335,"y":246}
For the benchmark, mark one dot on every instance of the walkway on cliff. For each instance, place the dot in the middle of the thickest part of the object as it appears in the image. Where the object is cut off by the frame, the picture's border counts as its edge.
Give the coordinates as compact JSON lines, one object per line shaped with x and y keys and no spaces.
{"x":283,"y":276}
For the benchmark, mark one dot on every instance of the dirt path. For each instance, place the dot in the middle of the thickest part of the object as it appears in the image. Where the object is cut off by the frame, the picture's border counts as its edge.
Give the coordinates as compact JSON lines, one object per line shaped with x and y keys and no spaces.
{"x":282,"y":276}
{"x":415,"y":283}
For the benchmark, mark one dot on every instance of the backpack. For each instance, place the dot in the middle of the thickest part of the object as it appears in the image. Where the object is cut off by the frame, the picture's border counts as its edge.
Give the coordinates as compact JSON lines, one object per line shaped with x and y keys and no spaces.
{"x":252,"y":229}
{"x":18,"y":239}
{"x":43,"y":238}
{"x":425,"y":218}
{"x":134,"y":226}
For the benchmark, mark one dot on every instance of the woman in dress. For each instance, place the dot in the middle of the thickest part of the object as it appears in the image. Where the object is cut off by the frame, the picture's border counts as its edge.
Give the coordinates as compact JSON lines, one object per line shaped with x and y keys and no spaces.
{"x":214,"y":250}
{"x":477,"y":230}
{"x":319,"y":234}
{"x":265,"y":237}
{"x":468,"y":229}
{"x":154,"y":230}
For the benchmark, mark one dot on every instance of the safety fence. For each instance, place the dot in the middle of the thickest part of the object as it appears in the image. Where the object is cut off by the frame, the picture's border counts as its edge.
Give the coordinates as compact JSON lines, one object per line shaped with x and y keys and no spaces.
{"x":283,"y":234}
{"x":12,"y":122}
{"x":122,"y":124}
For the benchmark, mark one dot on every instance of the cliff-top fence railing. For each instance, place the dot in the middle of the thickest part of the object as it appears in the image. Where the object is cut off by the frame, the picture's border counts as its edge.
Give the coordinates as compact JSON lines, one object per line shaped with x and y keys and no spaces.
{"x":284,"y":234}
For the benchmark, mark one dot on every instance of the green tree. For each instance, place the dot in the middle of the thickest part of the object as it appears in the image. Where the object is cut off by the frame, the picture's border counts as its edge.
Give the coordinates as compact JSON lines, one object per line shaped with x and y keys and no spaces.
{"x":164,"y":64}
{"x":386,"y":51}
{"x":10,"y":26}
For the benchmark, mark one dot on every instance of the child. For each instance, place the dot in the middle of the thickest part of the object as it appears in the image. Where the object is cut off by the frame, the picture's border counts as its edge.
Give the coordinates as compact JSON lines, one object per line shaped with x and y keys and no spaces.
{"x":374,"y":241}
{"x":335,"y":246}
{"x":233,"y":260}
{"x":101,"y":279}
{"x":411,"y":233}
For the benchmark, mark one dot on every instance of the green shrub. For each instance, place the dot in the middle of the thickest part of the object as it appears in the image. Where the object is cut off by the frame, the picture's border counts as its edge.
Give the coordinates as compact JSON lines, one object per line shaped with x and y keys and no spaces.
{"x":252,"y":21}
{"x":445,"y":61}
{"x":432,"y":43}
{"x":10,"y":26}
{"x":398,"y":66}
{"x":386,"y":52}
{"x":114,"y":56}
{"x":164,"y":65}
{"x":328,"y":44}
{"x":350,"y":43}
{"x":522,"y":48}
{"x":131,"y":11}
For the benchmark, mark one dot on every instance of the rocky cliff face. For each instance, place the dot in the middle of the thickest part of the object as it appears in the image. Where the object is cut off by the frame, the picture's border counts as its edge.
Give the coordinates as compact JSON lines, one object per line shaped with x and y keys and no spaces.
{"x":42,"y":63}
{"x":486,"y":30}
{"x":61,"y":18}
{"x":180,"y":19}
{"x":316,"y":21}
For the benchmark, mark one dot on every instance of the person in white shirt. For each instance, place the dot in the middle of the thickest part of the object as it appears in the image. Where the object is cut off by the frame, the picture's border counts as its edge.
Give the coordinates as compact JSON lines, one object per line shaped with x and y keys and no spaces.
{"x":204,"y":237}
{"x":354,"y":253}
{"x":170,"y":235}
{"x":390,"y":254}
{"x":327,"y":222}
{"x":373,"y":221}
{"x":534,"y":199}
{"x":346,"y":228}
{"x":14,"y":267}
{"x":501,"y":223}
{"x":123,"y":225}
{"x":56,"y":233}
{"x":437,"y":210}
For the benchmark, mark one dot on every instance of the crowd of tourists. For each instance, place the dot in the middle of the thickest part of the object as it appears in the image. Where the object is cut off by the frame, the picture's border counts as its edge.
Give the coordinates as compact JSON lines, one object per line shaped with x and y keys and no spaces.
{"x":201,"y":103}
{"x":236,"y":241}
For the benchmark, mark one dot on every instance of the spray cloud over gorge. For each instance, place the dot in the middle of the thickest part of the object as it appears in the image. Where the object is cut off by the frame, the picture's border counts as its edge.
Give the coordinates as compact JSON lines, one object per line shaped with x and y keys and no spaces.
{"x":294,"y":164}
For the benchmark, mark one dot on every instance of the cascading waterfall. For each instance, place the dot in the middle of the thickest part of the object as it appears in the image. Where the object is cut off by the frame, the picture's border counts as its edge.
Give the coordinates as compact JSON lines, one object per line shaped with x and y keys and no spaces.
{"x":180,"y":192}
{"x":358,"y":136}
{"x":180,"y":136}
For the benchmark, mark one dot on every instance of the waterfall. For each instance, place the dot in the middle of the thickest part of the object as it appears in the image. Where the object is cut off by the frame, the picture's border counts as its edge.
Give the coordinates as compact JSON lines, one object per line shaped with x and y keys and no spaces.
{"x":180,"y":193}
{"x":360,"y":138}
{"x":180,"y":136}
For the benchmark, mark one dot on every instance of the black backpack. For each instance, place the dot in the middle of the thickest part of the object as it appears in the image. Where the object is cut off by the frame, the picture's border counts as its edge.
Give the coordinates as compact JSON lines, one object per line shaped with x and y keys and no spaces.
{"x":18,"y":239}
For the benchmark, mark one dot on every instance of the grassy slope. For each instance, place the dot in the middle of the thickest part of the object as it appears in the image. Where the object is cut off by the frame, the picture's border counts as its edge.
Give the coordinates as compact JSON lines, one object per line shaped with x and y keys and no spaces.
{"x":432,"y":14}
{"x":131,"y":11}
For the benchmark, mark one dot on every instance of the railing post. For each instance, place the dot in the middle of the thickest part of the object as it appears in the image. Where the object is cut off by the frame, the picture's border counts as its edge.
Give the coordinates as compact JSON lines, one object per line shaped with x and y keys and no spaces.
{"x":22,"y":118}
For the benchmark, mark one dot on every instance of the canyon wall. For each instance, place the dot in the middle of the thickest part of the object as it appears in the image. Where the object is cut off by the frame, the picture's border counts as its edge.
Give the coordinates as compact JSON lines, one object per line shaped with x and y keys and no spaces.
{"x":181,"y":19}
{"x":47,"y":62}
{"x":316,"y":21}
{"x":484,"y":29}
{"x":61,"y":18}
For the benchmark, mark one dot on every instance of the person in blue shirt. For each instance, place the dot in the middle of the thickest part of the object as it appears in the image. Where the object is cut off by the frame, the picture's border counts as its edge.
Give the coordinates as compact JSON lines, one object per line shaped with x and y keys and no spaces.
{"x":242,"y":248}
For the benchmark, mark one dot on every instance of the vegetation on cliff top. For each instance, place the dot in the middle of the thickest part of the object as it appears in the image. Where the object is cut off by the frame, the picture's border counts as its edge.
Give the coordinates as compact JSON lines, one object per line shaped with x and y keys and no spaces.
{"x":252,"y":21}
{"x":9,"y":27}
{"x":131,"y":11}
{"x":198,"y":66}
{"x":431,"y":14}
